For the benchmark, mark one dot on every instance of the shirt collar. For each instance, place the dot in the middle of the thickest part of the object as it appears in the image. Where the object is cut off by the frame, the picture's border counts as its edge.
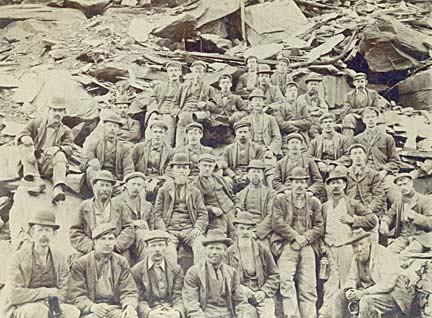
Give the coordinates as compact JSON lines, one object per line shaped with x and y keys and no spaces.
{"x":150,"y":264}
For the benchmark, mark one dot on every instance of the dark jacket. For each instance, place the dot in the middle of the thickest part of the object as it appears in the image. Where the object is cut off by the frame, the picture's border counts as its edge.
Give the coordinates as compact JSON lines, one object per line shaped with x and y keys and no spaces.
{"x":234,"y":104}
{"x":140,"y":156}
{"x":230,"y":155}
{"x":340,"y":146}
{"x":82,"y":287}
{"x":160,"y":96}
{"x":242,"y":82}
{"x":123,"y":158}
{"x":164,"y":206}
{"x":207,"y":94}
{"x":292,"y":117}
{"x":267,"y":271}
{"x":85,"y":222}
{"x":352,"y":105}
{"x":147,"y":298}
{"x":271,"y":134}
{"x":130,"y":131}
{"x":145,"y":207}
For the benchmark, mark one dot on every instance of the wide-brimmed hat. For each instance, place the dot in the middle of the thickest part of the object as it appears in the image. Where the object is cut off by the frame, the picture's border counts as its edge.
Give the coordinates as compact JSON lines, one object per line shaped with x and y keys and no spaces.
{"x":158,"y":123}
{"x":354,"y":146}
{"x":122,"y":99}
{"x":298,"y":173}
{"x":242,"y":123}
{"x":256,"y":93}
{"x":181,"y":159}
{"x":402,"y":175}
{"x":216,"y":236}
{"x":104,"y":175}
{"x":295,"y":136}
{"x":244,"y":218}
{"x":358,"y":76}
{"x":133,"y":175}
{"x":340,"y":172}
{"x":112,"y":118}
{"x":57,"y":102}
{"x":264,"y":69}
{"x":313,"y":77}
{"x":194,"y":125}
{"x":44,"y":217}
{"x":156,"y":235}
{"x":355,"y":236}
{"x":103,"y":229}
{"x":256,"y":164}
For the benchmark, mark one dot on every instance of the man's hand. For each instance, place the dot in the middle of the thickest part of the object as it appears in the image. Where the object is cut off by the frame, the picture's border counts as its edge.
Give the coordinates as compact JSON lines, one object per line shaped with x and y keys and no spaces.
{"x":259,"y":296}
{"x":411,"y":214}
{"x":141,"y":224}
{"x":129,"y":312}
{"x":384,"y":228}
{"x":100,"y":310}
{"x":27,"y":141}
{"x":217,"y":211}
{"x":323,"y":249}
{"x":295,"y":246}
{"x":355,"y":294}
{"x":301,"y":240}
{"x":201,"y":105}
{"x":346,"y":219}
{"x":53,"y":292}
{"x":51,"y":151}
{"x":94,"y":164}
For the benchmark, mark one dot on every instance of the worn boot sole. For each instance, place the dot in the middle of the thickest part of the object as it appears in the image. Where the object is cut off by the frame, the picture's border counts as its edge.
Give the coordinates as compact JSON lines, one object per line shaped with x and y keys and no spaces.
{"x":59,"y":197}
{"x":36,"y":190}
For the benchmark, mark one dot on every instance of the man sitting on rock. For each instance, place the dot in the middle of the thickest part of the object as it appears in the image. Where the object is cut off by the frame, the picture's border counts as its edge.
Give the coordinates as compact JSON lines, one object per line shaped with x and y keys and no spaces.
{"x":280,"y":77}
{"x":248,"y":81}
{"x":130,"y":129}
{"x":272,"y":93}
{"x":44,"y":145}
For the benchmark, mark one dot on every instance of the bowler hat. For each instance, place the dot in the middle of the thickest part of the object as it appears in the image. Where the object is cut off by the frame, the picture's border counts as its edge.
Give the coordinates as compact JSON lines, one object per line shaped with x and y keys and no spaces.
{"x":57,"y":102}
{"x":173,"y":64}
{"x":313,"y":77}
{"x":295,"y":136}
{"x":113,"y":118}
{"x":256,"y":164}
{"x":159,"y":123}
{"x":257,"y":93}
{"x":133,"y":175}
{"x":196,"y":63}
{"x":104,"y":175}
{"x":354,"y":146}
{"x":103,"y":229}
{"x":242,"y":123}
{"x":264,"y":69}
{"x":180,"y":159}
{"x":298,"y":173}
{"x":194,"y":125}
{"x":122,"y":99}
{"x":244,"y":218}
{"x":44,"y":217}
{"x":207,"y":157}
{"x":360,"y":76}
{"x":402,"y":175}
{"x":156,"y":235}
{"x":216,"y":236}
{"x":340,"y":172}
{"x":355,"y":236}
{"x":326,"y":116}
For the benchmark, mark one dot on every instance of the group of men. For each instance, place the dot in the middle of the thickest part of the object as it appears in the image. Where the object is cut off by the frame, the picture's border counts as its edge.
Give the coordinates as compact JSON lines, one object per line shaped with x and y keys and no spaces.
{"x":255,"y":219}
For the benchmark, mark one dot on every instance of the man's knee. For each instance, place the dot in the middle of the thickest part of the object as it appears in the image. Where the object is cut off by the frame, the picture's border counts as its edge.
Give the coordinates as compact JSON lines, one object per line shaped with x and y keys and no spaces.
{"x":59,"y":157}
{"x":69,"y":311}
{"x":31,"y":310}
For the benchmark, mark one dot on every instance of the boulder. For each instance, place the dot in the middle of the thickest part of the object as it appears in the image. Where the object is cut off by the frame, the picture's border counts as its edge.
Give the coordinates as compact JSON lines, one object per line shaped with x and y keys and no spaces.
{"x":416,"y":91}
{"x":88,"y":7}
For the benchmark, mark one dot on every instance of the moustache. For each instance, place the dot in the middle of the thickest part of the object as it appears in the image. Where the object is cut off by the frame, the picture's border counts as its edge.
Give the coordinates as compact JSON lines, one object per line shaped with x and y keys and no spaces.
{"x":44,"y":240}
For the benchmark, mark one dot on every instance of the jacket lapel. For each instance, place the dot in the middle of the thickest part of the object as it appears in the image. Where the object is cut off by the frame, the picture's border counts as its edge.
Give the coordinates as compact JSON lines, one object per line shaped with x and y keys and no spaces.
{"x":164,"y":156}
{"x":100,"y":151}
{"x":60,"y":134}
{"x":27,"y":263}
{"x":170,"y":276}
{"x":41,"y":131}
{"x":91,"y":276}
{"x":184,"y":93}
{"x":88,"y":214}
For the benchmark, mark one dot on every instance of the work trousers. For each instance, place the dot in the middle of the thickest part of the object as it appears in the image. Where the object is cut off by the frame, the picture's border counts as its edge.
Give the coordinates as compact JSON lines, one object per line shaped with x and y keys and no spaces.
{"x":370,"y":306}
{"x":40,"y":309}
{"x":169,"y":120}
{"x":265,"y":309}
{"x":177,"y":241}
{"x":46,"y":165}
{"x":138,"y":248}
{"x":223,"y":222}
{"x":404,"y":246}
{"x":300,"y":264}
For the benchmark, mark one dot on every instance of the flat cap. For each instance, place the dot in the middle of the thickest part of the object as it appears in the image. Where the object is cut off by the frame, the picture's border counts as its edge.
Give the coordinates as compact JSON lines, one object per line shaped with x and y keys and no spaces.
{"x":291,"y":83}
{"x":133,"y":175}
{"x":156,"y":235}
{"x":283,"y":59}
{"x":122,"y":99}
{"x":295,"y":136}
{"x":196,"y":63}
{"x":194,"y":125}
{"x":402,"y":175}
{"x":369,"y":110}
{"x":264,"y":69}
{"x":229,"y":76}
{"x":257,"y":93}
{"x":112,"y":117}
{"x":313,"y":77}
{"x":103,"y":229}
{"x":256,"y":164}
{"x":360,"y":76}
{"x":355,"y":146}
{"x":159,"y":123}
{"x":244,"y":218}
{"x":242,"y":123}
{"x":326,"y":116}
{"x":207,"y":157}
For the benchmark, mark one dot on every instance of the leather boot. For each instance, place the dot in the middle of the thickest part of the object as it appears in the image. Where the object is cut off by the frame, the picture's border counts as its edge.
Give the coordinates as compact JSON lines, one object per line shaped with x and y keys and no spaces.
{"x":58,"y":194}
{"x":34,"y":185}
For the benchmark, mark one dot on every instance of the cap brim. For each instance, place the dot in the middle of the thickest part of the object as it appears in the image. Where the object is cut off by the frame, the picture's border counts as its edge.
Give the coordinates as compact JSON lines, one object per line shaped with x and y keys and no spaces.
{"x":33,"y":222}
{"x":244,"y":222}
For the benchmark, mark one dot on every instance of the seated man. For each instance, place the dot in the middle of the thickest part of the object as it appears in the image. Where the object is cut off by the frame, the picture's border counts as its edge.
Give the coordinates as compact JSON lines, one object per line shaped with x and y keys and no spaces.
{"x":194,"y":149}
{"x":107,"y":154}
{"x":101,"y":284}
{"x":239,"y":154}
{"x":412,"y":221}
{"x":329,"y":149}
{"x":130,"y":129}
{"x":193,"y":101}
{"x":161,"y":104}
{"x":151,"y":157}
{"x":422,"y":177}
{"x":44,"y":146}
{"x":218,"y":197}
{"x":355,"y":101}
{"x":37,"y":273}
{"x":139,"y":209}
{"x":295,"y":158}
{"x":373,"y":281}
{"x":99,"y":210}
{"x":159,"y":280}
{"x":212,"y":289}
{"x":255,"y":265}
{"x":258,"y":199}
{"x":247,"y":82}
{"x":180,"y":210}
{"x":272,"y":93}
{"x":280,"y":77}
{"x":290,"y":116}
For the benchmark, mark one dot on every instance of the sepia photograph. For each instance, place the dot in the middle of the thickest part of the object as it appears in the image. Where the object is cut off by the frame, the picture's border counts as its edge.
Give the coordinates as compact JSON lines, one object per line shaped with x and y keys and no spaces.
{"x":216,"y":158}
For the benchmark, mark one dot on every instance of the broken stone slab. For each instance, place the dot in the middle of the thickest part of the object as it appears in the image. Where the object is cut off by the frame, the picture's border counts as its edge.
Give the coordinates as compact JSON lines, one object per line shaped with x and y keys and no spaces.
{"x":177,"y":28}
{"x":140,"y":29}
{"x":416,"y":90}
{"x":88,"y":7}
{"x":324,"y":48}
{"x":264,"y":51}
{"x":111,"y":72}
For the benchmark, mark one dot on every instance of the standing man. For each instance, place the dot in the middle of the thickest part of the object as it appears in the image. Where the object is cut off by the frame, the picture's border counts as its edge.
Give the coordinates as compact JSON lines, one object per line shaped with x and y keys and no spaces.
{"x":161,"y":104}
{"x":193,"y":101}
{"x":258,"y":199}
{"x":139,"y":209}
{"x":218,"y":197}
{"x":295,"y":158}
{"x":180,"y":210}
{"x":130,"y":129}
{"x":194,"y":149}
{"x":280,"y":77}
{"x":239,"y":154}
{"x":248,"y":81}
{"x":212,"y":289}
{"x":101,"y":209}
{"x":38,"y":273}
{"x":272,"y":93}
{"x":44,"y":146}
{"x":341,"y":216}
{"x":159,"y":280}
{"x":101,"y":284}
{"x":355,"y":101}
{"x":297,"y":220}
{"x":255,"y":265}
{"x":329,"y":149}
{"x":109,"y":154}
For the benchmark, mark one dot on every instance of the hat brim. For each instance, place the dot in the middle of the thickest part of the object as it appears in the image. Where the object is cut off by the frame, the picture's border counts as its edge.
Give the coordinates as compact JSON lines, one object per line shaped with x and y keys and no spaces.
{"x":299,"y":178}
{"x":265,"y":72}
{"x":245,"y":222}
{"x":112,"y":181}
{"x":188,"y":163}
{"x":335,"y":178}
{"x":313,"y":80}
{"x":33,"y":222}
{"x":260,"y":96}
{"x":124,"y":102}
{"x":397,"y":178}
{"x":255,"y":167}
{"x":113,"y":121}
{"x":225,"y":241}
{"x":156,"y":238}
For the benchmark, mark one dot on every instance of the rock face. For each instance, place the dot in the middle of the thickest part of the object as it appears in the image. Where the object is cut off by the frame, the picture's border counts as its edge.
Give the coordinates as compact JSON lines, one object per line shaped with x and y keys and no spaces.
{"x":88,"y":7}
{"x":177,"y":28}
{"x":416,"y":91}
